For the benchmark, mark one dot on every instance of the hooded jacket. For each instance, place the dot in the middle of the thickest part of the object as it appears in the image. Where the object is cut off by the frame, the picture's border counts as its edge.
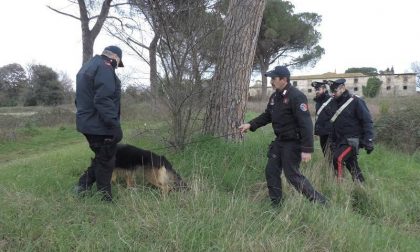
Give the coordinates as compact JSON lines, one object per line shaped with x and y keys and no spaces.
{"x":98,"y":94}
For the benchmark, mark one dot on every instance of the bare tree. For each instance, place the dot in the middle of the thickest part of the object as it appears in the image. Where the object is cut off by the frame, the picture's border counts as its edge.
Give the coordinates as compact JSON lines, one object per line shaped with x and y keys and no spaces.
{"x":131,"y":29}
{"x":228,"y":96}
{"x":181,"y":48}
{"x":415,"y":66}
{"x":188,"y":30}
{"x":89,"y":35}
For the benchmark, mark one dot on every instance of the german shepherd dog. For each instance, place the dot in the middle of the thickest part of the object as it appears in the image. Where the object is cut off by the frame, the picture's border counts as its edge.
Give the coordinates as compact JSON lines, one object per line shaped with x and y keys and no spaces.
{"x":157,"y":170}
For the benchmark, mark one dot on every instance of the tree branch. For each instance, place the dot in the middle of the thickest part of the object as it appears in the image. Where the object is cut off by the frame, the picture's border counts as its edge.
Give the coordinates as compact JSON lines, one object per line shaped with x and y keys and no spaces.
{"x":101,"y":19}
{"x":138,"y":43}
{"x":119,"y":4}
{"x":63,"y":13}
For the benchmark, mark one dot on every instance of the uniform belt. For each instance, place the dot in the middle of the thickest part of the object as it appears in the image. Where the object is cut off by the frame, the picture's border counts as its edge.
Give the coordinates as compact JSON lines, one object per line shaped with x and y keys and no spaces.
{"x":288,"y":137}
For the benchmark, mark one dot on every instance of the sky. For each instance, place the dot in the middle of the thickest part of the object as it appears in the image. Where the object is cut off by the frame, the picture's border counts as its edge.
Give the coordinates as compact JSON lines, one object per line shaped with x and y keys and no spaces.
{"x":355,"y":33}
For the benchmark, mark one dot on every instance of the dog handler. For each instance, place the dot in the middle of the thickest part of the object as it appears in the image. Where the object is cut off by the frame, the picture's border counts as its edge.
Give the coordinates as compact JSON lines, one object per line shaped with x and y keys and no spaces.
{"x":98,"y":93}
{"x":287,"y":111}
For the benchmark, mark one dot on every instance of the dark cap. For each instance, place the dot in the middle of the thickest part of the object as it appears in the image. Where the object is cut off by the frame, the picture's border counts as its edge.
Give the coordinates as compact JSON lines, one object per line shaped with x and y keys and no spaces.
{"x":117,"y":51}
{"x":318,"y":84}
{"x":335,"y":84}
{"x":279,"y":71}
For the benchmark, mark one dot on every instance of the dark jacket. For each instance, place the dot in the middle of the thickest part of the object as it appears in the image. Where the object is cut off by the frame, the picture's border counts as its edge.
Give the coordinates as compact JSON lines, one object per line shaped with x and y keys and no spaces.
{"x":354,"y":121}
{"x":323,"y":126}
{"x":98,"y":94}
{"x":288,"y":112}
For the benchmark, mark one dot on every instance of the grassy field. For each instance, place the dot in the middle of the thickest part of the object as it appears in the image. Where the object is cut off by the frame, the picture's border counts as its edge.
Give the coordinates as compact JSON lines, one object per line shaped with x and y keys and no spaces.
{"x":226,"y":209}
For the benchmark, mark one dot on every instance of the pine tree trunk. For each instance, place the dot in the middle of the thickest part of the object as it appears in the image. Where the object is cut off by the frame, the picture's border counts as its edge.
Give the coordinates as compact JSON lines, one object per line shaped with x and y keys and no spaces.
{"x":226,"y":109}
{"x":264,"y":68}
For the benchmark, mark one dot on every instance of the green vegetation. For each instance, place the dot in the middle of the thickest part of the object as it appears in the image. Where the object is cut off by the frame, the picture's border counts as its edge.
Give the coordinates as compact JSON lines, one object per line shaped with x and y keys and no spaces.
{"x":372,"y":87}
{"x":225,"y":210}
{"x":38,"y":85}
{"x":363,"y":70}
{"x":399,"y":124}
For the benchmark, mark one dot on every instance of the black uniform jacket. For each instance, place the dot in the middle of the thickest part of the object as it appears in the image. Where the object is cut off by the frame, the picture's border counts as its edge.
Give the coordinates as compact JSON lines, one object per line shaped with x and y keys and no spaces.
{"x":354,"y":121}
{"x":288,"y":112}
{"x":323,"y":126}
{"x":98,"y":94}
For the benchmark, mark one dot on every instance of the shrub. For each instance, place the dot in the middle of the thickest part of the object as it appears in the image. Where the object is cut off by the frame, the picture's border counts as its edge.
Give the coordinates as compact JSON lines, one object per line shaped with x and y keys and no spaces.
{"x":372,"y":87}
{"x":18,"y":123}
{"x":54,"y":116}
{"x":400,"y":127}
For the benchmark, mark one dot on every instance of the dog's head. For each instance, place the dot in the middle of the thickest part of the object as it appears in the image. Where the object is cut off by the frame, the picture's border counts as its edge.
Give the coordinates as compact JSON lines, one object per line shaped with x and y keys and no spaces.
{"x":177,"y":183}
{"x":180,"y":185}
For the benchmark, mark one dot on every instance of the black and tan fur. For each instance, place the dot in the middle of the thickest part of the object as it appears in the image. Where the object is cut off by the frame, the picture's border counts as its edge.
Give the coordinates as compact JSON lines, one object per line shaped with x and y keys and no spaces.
{"x":132,"y":162}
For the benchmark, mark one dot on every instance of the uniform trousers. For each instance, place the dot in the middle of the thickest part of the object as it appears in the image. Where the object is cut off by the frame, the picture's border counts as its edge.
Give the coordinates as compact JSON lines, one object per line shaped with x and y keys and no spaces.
{"x":347,"y":154}
{"x":286,"y":156}
{"x":100,"y":170}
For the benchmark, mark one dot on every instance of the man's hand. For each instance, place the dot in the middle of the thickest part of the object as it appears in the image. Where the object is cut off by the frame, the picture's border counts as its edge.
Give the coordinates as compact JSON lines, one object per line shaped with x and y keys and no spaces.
{"x":117,"y":135}
{"x":244,"y":127}
{"x":306,"y":157}
{"x":369,"y":148}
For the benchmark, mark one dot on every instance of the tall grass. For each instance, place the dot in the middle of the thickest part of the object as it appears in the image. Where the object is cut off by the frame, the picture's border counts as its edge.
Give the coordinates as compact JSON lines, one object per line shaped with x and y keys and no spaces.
{"x":226,"y":209}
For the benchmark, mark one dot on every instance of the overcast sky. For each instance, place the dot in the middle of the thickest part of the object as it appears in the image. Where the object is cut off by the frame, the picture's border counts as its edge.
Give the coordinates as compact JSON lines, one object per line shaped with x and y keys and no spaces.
{"x":356,"y":33}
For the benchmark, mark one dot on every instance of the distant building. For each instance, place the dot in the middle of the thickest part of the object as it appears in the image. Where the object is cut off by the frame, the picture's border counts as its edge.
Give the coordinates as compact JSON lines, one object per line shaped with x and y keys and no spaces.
{"x":392,"y":84}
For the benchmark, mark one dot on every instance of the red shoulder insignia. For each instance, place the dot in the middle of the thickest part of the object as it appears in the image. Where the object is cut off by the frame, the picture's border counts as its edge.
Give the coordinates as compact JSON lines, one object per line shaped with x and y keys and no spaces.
{"x":303,"y":107}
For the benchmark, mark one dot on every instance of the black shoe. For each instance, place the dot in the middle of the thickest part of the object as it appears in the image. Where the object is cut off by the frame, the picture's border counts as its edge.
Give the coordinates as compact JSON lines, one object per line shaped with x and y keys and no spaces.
{"x":320,"y":199}
{"x":276,"y":203}
{"x":81,"y":191}
{"x":106,"y":196}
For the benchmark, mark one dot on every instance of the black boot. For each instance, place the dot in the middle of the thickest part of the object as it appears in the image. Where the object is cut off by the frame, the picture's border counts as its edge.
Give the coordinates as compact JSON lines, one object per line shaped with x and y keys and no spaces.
{"x":319,"y":198}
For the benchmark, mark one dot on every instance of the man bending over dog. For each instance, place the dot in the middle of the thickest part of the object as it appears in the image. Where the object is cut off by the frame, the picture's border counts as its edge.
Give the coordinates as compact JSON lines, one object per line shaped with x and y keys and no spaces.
{"x":98,"y":92}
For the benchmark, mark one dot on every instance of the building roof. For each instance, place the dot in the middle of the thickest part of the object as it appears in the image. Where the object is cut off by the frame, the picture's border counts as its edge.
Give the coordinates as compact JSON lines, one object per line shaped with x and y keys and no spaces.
{"x":333,"y":76}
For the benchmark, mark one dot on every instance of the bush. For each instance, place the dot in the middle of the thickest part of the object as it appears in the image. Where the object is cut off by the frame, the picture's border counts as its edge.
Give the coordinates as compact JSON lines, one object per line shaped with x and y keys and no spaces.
{"x":54,"y":116}
{"x":400,"y":127}
{"x":16,"y":123}
{"x":372,"y":87}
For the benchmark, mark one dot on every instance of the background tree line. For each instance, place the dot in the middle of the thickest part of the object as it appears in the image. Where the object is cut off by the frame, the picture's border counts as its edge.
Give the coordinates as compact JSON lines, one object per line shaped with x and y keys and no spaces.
{"x":35,"y":85}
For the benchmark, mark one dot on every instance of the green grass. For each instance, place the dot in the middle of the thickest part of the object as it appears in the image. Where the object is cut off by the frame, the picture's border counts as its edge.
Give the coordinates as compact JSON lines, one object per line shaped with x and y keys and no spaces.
{"x":225,"y":210}
{"x":37,"y":140}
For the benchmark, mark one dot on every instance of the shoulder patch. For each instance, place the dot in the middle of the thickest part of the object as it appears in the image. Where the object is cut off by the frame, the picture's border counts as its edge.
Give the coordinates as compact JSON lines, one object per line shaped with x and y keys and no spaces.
{"x":303,"y":107}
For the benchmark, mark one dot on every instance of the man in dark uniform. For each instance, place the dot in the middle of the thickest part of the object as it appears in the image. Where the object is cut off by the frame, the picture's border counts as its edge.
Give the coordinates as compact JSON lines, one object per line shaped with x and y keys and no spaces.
{"x":353,"y":128}
{"x":288,"y":112}
{"x":98,"y":92}
{"x":323,"y":114}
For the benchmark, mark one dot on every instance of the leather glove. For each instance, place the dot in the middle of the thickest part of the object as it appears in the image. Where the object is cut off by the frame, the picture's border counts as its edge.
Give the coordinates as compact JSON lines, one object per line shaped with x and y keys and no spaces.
{"x":369,"y":147}
{"x":117,"y":135}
